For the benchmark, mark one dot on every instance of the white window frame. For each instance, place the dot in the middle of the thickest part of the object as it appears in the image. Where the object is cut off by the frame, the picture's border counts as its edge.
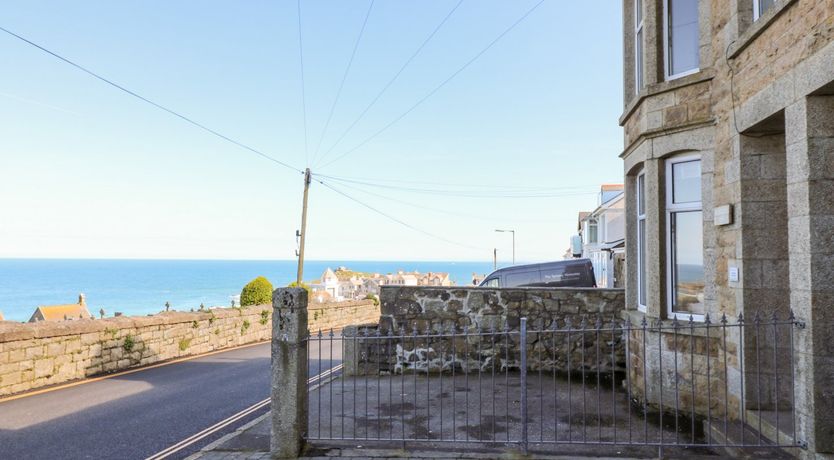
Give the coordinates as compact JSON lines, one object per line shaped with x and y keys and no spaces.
{"x":667,"y":55}
{"x":757,"y":10}
{"x":638,"y":46}
{"x":642,"y":294}
{"x":592,"y":223}
{"x":671,"y":208}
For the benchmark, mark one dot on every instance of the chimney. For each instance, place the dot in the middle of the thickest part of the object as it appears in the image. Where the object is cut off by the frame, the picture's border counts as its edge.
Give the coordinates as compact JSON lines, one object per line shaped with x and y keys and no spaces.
{"x":82,"y":300}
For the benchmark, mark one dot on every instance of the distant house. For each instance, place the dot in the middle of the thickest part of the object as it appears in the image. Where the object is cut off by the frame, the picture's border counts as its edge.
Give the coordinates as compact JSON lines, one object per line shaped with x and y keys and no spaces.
{"x":1,"y":316}
{"x":62,"y":312}
{"x":344,"y":284}
{"x":602,"y":235}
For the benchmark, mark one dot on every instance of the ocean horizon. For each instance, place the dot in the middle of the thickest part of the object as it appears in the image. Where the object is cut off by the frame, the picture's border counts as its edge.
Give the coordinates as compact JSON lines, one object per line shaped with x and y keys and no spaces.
{"x":143,"y":286}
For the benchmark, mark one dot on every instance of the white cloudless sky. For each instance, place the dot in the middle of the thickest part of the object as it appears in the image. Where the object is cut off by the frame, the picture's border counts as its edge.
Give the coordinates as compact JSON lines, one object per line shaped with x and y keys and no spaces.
{"x":87,"y":171}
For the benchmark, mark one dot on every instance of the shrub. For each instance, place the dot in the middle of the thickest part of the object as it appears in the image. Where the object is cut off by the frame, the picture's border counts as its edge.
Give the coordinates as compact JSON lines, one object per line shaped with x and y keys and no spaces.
{"x":264,"y":317}
{"x":304,"y":285}
{"x":257,"y":292}
{"x":184,"y":344}
{"x":128,"y":343}
{"x":374,"y":298}
{"x":245,"y":326}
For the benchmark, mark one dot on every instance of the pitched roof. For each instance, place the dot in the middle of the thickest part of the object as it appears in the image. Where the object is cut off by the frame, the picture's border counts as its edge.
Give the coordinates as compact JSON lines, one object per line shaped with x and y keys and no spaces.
{"x":612,"y":187}
{"x":61,"y":312}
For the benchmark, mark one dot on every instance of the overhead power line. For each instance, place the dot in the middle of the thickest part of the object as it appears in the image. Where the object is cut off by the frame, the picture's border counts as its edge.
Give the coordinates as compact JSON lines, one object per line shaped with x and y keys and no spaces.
{"x":303,"y":85}
{"x":456,"y":213}
{"x":344,"y":78}
{"x":399,"y":221}
{"x":392,"y":80}
{"x":456,"y":185}
{"x":148,"y":101}
{"x":491,"y":194}
{"x":436,"y":88}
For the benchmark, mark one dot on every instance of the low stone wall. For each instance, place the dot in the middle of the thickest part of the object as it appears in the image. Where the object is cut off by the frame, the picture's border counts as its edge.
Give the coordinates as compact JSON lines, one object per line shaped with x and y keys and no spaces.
{"x":323,"y":317}
{"x":440,"y":310}
{"x":34,"y":355}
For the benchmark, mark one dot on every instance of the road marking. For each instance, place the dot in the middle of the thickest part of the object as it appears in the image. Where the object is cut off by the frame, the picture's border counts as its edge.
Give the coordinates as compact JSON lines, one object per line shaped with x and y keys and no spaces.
{"x":228,"y":421}
{"x":130,"y":371}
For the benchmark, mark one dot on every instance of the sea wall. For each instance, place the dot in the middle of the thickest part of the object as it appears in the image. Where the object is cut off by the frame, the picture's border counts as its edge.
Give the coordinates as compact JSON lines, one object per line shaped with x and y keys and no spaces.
{"x":452,"y":327}
{"x":34,"y":355}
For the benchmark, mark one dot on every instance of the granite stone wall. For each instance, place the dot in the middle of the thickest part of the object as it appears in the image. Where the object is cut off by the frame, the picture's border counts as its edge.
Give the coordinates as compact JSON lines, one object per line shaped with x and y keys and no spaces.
{"x":445,"y":328}
{"x":34,"y":355}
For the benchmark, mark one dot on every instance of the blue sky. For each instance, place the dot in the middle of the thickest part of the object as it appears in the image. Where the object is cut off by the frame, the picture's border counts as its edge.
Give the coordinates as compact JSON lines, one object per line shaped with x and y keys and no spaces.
{"x":88,"y":171}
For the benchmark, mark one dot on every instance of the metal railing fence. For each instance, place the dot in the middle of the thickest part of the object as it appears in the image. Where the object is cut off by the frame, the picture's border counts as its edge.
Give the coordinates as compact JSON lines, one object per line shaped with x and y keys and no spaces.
{"x":671,"y":383}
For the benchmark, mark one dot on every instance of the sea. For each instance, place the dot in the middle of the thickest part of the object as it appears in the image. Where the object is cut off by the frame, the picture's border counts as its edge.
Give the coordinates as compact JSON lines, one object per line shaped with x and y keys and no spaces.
{"x":140,"y":287}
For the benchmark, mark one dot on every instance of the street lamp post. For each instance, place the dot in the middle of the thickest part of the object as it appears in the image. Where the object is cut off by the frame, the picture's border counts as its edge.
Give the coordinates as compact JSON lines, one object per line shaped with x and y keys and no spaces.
{"x":513,"y":232}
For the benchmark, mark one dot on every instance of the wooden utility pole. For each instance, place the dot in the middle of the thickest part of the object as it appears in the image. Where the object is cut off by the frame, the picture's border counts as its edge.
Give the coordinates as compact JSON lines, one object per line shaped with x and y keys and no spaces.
{"x":495,"y":258}
{"x":303,"y":235}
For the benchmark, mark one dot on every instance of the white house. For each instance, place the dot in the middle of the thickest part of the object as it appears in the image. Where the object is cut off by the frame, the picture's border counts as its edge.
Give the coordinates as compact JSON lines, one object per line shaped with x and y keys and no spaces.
{"x":602,"y":234}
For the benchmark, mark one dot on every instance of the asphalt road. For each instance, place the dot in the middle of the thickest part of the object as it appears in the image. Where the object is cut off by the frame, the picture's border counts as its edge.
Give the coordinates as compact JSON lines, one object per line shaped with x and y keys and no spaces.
{"x":137,"y":415}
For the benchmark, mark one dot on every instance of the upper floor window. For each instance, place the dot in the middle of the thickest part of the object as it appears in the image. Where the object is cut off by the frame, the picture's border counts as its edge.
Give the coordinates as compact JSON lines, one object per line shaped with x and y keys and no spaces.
{"x":760,"y":7}
{"x":638,"y":45}
{"x":681,"y":37}
{"x":685,"y":242}
{"x":592,"y":232}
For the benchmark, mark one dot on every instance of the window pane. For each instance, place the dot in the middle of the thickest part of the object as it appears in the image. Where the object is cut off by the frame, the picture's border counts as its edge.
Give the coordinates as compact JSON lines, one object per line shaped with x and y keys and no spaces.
{"x":683,"y":35}
{"x":592,"y":233}
{"x":641,"y":261}
{"x":688,"y":262}
{"x":686,"y":182}
{"x":638,"y":64}
{"x":641,"y":194}
{"x":764,"y":5}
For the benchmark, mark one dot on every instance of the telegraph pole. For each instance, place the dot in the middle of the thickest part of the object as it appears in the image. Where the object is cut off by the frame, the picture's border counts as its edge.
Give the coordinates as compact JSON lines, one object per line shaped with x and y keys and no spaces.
{"x":495,"y":258}
{"x":303,"y":234}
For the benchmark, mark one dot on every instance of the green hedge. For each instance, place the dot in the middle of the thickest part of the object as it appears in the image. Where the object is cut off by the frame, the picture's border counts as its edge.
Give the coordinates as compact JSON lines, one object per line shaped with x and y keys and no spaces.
{"x":257,"y":292}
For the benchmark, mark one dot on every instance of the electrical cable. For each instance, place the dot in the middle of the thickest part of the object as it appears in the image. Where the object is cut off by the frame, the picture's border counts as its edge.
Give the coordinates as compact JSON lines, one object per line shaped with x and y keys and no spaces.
{"x":392,"y":218}
{"x":436,"y":88}
{"x":471,"y":193}
{"x":441,"y":211}
{"x":344,"y":78}
{"x":303,"y":85}
{"x":391,"y":81}
{"x":148,"y":101}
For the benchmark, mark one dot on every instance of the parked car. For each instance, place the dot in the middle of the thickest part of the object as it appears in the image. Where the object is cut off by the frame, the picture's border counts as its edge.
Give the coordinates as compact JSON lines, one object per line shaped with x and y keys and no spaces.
{"x":564,"y":273}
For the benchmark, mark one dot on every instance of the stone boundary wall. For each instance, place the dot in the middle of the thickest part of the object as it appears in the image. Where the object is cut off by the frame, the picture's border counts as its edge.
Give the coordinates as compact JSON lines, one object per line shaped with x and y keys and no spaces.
{"x":330,"y":316}
{"x":34,"y":355}
{"x":439,"y":309}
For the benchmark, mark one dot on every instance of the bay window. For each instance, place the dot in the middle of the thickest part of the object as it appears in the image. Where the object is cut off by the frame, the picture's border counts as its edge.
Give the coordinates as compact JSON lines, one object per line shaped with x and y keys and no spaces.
{"x":685,"y":238}
{"x":680,"y":37}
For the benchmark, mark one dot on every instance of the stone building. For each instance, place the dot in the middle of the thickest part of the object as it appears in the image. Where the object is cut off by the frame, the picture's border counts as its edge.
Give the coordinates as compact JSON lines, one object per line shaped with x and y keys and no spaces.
{"x":62,"y":312}
{"x":729,"y":169}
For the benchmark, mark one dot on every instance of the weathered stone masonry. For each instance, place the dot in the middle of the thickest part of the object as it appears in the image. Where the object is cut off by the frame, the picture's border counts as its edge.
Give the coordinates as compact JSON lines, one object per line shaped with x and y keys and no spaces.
{"x":34,"y":355}
{"x":440,"y":309}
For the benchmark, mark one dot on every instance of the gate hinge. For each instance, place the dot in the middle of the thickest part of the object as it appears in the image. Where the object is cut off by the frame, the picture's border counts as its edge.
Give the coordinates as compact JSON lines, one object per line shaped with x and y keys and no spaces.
{"x":802,"y":444}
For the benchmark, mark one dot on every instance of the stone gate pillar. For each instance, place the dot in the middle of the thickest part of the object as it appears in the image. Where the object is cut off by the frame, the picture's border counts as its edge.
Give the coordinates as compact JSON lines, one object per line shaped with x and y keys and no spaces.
{"x":289,"y":372}
{"x":810,"y":177}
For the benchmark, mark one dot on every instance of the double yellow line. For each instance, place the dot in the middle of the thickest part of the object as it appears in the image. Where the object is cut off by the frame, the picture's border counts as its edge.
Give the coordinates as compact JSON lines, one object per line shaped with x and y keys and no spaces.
{"x":234,"y":418}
